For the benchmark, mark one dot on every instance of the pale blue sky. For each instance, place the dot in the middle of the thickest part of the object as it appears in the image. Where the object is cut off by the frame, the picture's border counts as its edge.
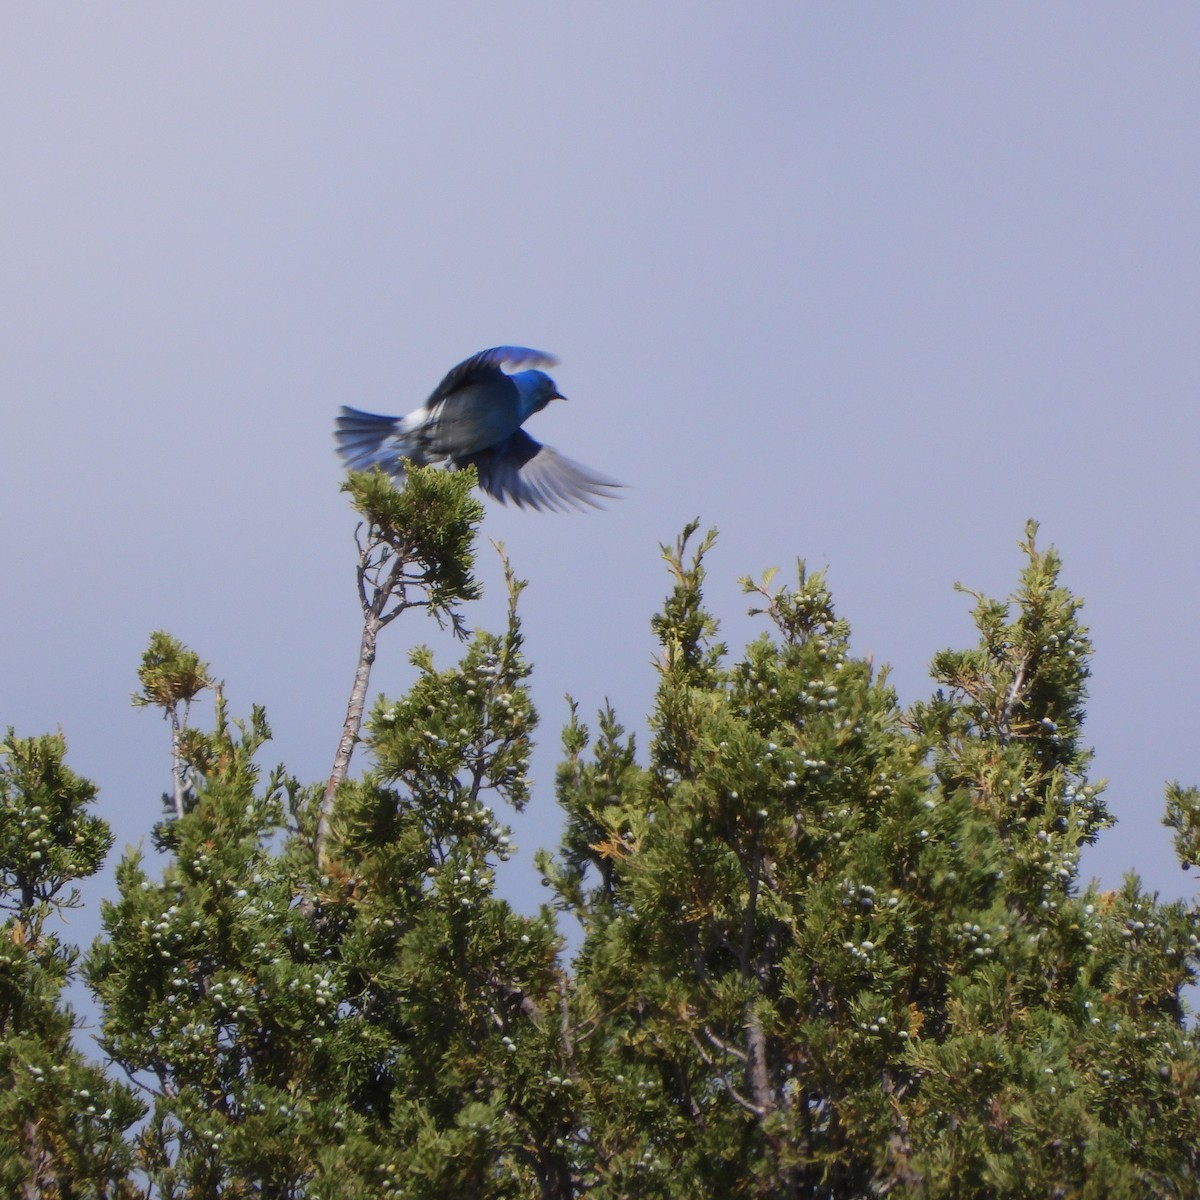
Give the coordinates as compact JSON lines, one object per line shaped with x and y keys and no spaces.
{"x":863,"y":283}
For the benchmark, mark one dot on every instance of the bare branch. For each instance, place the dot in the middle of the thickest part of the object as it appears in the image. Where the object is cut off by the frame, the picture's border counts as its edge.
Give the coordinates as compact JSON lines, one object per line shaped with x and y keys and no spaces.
{"x":723,"y":1046}
{"x":350,"y":729}
{"x":564,"y":1012}
{"x":1011,"y":699}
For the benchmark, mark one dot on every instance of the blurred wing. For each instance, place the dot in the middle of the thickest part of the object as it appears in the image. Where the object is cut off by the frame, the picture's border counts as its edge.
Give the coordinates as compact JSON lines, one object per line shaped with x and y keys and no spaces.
{"x":485,"y":366}
{"x":528,"y":473}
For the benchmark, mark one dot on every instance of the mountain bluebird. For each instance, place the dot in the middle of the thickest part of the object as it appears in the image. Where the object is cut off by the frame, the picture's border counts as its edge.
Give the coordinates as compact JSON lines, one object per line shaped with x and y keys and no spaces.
{"x":474,"y":416}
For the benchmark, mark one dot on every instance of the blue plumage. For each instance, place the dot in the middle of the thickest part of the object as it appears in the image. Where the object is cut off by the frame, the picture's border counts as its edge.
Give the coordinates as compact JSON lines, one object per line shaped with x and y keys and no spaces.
{"x":474,"y":417}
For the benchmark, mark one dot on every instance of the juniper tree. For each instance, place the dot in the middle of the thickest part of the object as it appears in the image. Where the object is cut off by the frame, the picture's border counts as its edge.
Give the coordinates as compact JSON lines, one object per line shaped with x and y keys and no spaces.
{"x":831,"y":947}
{"x":1065,"y":1060}
{"x":321,"y":992}
{"x":62,"y":1120}
{"x":172,"y":676}
{"x":417,"y":552}
{"x":456,"y":996}
{"x":836,"y":949}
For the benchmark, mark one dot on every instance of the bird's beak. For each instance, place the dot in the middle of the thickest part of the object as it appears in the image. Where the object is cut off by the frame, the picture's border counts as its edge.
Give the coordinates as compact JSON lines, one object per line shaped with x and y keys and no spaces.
{"x":558,"y":396}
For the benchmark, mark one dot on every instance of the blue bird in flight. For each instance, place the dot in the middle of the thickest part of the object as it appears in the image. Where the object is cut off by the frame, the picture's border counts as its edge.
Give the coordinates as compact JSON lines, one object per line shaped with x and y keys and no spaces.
{"x":474,"y":417}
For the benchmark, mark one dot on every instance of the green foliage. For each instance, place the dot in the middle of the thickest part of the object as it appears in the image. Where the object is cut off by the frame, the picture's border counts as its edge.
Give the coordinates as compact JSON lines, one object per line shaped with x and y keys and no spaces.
{"x":61,"y":1120}
{"x":214,"y":996}
{"x":418,"y":552}
{"x":469,"y":1097}
{"x":381,"y":1024}
{"x":170,"y":674}
{"x":830,"y":947}
{"x":428,"y":524}
{"x":836,"y":949}
{"x":1183,"y":815}
{"x":48,"y":839}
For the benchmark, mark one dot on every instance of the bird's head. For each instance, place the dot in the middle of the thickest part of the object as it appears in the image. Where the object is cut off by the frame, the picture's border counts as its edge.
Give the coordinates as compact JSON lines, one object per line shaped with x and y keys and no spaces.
{"x":536,"y":390}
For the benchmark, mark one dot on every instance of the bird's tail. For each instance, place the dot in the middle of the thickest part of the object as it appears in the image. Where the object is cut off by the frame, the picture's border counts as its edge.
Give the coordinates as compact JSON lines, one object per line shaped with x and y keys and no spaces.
{"x":365,"y":440}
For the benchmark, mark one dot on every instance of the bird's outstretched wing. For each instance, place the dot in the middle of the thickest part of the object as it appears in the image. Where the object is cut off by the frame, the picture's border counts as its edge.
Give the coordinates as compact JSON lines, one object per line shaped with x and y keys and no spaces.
{"x":521,"y":469}
{"x":486,"y":365}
